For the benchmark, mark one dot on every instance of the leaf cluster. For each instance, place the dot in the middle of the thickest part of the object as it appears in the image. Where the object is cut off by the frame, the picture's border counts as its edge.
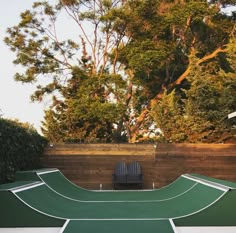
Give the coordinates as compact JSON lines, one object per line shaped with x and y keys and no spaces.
{"x":86,"y":114}
{"x":199,"y":113}
{"x":21,"y":147}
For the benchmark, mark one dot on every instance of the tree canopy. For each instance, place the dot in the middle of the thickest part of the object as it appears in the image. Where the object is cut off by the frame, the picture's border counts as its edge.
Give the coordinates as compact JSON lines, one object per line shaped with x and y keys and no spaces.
{"x":130,"y":65}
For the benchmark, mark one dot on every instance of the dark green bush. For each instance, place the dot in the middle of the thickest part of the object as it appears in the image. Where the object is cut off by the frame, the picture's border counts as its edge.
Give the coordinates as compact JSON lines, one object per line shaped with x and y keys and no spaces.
{"x":21,"y":147}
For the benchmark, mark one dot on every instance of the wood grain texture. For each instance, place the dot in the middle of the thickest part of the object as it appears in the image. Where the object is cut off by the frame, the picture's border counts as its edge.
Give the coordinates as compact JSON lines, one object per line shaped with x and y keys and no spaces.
{"x":90,"y":165}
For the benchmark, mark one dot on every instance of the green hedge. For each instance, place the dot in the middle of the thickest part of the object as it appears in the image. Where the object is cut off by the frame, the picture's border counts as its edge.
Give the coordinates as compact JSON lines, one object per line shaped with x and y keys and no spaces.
{"x":21,"y":147}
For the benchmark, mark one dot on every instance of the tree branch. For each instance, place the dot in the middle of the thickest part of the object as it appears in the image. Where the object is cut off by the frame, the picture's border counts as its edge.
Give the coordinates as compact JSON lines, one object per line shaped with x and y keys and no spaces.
{"x":144,"y":113}
{"x":205,"y":58}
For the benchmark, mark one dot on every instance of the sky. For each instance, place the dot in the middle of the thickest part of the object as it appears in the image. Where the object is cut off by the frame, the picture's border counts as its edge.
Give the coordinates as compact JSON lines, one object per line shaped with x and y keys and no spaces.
{"x":15,"y":100}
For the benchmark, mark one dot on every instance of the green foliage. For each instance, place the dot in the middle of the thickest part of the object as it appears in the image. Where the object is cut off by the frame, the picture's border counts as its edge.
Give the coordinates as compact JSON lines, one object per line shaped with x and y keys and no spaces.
{"x":85,"y":115}
{"x":199,"y":113}
{"x":21,"y":147}
{"x":211,"y":98}
{"x":165,"y":37}
{"x":87,"y":94}
{"x":161,"y":50}
{"x":103,"y":86}
{"x":167,"y":114}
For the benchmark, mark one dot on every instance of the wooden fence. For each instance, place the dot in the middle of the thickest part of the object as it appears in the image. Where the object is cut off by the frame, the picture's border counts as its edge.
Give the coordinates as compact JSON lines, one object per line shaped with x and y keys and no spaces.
{"x":91,"y":165}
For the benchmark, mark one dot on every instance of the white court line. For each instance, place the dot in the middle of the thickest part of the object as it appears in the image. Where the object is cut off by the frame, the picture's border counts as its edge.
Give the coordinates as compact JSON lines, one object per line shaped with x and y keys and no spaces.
{"x":48,"y":171}
{"x":208,"y":183}
{"x":118,"y":219}
{"x":20,"y":186}
{"x":95,"y":191}
{"x":38,"y":211}
{"x":211,"y":182}
{"x":113,"y":219}
{"x":84,"y":219}
{"x":109,"y":219}
{"x":105,"y":219}
{"x":120,"y":201}
{"x":202,"y":209}
{"x":64,"y":226}
{"x":173,"y":225}
{"x":26,"y":187}
{"x":143,"y":190}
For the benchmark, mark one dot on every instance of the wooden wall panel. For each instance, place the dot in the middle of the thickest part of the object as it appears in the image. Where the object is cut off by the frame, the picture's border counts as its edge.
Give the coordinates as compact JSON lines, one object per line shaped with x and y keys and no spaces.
{"x":90,"y":165}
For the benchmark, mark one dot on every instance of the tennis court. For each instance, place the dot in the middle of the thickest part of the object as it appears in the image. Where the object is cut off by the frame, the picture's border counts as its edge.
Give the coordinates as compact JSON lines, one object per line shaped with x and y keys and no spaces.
{"x":45,"y":200}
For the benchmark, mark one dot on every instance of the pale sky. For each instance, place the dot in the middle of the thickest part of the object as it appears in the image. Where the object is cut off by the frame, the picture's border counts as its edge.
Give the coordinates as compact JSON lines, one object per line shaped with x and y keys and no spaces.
{"x":15,"y":100}
{"x":14,"y":96}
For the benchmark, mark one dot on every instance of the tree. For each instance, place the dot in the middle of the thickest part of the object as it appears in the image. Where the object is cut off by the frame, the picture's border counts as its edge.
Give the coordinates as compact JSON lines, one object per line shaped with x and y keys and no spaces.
{"x":171,"y":40}
{"x":71,"y":65}
{"x":201,"y":116}
{"x":85,"y":115}
{"x":138,"y":53}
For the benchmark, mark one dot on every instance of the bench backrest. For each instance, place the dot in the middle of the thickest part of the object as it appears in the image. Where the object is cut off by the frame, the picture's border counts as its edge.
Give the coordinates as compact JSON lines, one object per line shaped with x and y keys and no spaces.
{"x":134,"y":169}
{"x":121,"y":169}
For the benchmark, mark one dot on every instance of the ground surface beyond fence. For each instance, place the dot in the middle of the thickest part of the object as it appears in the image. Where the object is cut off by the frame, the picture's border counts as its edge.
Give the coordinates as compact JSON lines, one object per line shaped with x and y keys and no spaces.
{"x":91,"y":165}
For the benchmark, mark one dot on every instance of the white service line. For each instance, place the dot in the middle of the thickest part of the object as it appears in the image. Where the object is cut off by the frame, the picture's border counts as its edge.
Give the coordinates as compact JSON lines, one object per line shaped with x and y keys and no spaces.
{"x":120,"y":201}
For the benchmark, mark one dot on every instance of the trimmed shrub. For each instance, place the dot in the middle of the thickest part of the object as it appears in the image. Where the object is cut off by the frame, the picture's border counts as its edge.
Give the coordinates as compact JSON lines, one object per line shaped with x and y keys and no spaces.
{"x":21,"y":147}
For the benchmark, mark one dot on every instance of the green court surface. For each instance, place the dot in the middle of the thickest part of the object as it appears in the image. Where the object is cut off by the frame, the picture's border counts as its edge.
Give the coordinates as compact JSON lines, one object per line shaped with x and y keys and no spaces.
{"x":15,"y":213}
{"x":125,"y":226}
{"x":45,"y":198}
{"x":213,"y":180}
{"x":58,"y":182}
{"x":196,"y":198}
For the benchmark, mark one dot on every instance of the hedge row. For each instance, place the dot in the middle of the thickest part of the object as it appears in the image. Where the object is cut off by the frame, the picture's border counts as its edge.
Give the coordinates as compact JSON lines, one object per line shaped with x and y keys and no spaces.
{"x":21,"y":147}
